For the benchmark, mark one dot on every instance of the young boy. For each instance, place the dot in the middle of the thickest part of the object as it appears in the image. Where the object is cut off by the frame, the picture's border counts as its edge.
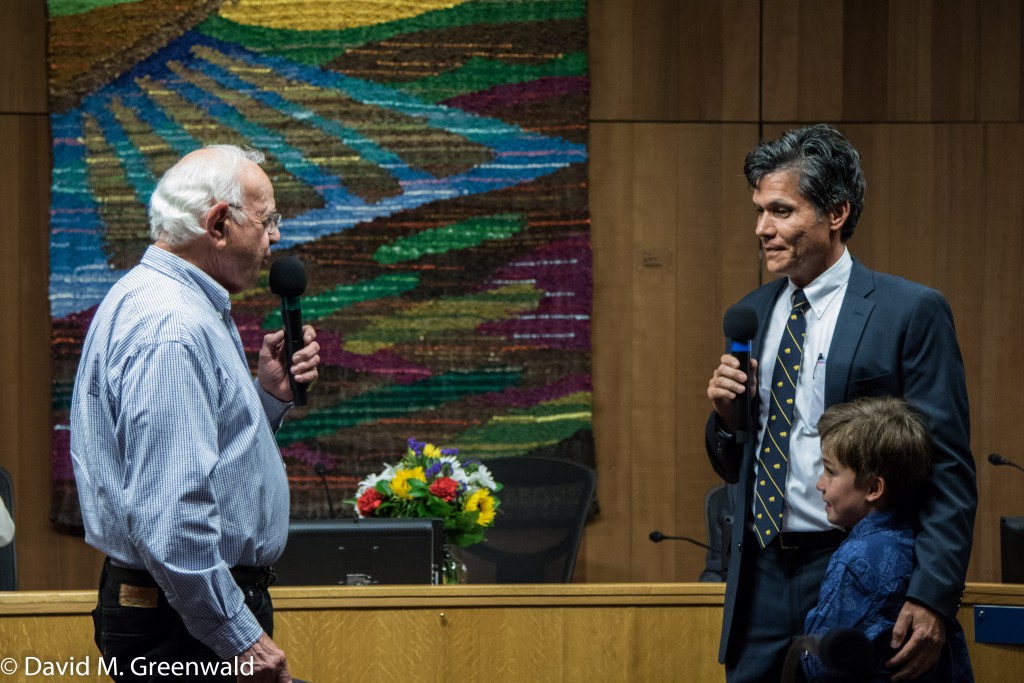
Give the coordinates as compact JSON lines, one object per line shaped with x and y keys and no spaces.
{"x":877,"y":458}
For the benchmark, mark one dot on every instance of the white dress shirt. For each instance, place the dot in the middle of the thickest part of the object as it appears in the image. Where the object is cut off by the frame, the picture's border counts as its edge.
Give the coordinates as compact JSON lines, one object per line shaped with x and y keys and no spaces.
{"x":804,"y":510}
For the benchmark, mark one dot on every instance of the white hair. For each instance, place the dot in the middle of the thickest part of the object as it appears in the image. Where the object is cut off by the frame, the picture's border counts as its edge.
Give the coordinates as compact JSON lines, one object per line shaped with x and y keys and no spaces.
{"x":189,"y":188}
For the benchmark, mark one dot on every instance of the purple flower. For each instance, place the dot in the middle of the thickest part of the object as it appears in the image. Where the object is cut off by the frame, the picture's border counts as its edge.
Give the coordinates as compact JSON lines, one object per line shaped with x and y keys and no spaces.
{"x":434,"y":470}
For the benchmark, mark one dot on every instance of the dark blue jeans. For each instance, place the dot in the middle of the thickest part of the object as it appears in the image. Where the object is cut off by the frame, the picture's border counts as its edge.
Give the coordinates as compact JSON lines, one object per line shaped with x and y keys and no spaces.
{"x":143,"y":643}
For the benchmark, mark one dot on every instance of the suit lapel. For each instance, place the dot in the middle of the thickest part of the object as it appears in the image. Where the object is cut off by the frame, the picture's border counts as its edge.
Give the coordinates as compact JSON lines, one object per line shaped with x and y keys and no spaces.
{"x":853,"y":317}
{"x":764,"y":313}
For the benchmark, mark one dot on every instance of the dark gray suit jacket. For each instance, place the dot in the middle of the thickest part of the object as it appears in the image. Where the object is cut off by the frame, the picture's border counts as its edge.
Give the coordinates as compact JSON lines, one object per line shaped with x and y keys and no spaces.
{"x":893,"y":337}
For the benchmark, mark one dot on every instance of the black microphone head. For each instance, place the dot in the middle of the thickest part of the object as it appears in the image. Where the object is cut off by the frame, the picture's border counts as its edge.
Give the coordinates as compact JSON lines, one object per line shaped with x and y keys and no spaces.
{"x":997,"y":459}
{"x":846,"y":650}
{"x":288,"y":277}
{"x":320,"y":469}
{"x":740,"y":322}
{"x":656,"y":536}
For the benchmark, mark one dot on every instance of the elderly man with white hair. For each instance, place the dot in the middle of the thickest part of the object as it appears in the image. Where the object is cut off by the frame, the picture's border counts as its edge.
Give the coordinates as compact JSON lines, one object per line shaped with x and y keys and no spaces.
{"x":180,"y":479}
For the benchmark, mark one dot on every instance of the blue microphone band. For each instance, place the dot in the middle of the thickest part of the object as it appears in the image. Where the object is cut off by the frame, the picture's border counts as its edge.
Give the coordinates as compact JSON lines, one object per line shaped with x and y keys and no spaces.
{"x":739,"y":346}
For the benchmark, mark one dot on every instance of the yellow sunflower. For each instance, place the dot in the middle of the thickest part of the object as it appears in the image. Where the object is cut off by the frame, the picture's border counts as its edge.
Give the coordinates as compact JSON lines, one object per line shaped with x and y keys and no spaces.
{"x":400,"y":484}
{"x":481,"y":500}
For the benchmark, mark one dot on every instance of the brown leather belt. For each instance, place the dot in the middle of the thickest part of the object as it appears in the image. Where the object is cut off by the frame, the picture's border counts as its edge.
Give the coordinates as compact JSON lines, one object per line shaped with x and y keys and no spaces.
{"x":244,"y":576}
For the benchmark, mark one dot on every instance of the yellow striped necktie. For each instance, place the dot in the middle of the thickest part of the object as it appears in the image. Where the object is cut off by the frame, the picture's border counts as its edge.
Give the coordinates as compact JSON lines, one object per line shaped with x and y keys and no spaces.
{"x":773,"y":456}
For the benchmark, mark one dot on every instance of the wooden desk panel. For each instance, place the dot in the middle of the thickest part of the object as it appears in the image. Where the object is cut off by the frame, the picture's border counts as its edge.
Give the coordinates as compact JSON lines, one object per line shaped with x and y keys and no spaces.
{"x":562,"y":633}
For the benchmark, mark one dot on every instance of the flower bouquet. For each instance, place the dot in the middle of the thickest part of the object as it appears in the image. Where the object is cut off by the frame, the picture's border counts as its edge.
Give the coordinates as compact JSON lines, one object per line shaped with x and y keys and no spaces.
{"x":433,"y":482}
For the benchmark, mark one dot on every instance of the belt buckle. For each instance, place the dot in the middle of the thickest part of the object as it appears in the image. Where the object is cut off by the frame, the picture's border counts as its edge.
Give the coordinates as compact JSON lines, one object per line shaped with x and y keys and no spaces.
{"x":783,"y":545}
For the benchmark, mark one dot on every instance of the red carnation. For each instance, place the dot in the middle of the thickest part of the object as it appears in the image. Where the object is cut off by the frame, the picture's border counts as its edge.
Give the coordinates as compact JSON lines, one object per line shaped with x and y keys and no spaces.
{"x":445,"y":488}
{"x":369,"y":502}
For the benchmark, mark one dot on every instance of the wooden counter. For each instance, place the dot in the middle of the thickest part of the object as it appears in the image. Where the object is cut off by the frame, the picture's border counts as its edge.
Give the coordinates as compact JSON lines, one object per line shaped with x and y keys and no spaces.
{"x":574,"y":632}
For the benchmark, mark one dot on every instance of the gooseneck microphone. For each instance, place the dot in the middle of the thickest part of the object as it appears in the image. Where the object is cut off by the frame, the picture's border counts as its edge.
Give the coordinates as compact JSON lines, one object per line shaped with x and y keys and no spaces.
{"x":740,"y":326}
{"x":321,"y":470}
{"x":658,"y":537}
{"x":288,"y":281}
{"x":997,"y":459}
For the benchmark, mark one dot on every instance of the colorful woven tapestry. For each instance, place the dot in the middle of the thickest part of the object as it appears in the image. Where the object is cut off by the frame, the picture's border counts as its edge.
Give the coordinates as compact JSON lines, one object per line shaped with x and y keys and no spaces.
{"x":429,"y":159}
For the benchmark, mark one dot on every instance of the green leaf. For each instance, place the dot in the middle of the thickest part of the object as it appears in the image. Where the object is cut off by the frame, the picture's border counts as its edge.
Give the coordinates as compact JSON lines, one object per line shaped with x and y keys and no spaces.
{"x":439,"y":508}
{"x":467,"y":538}
{"x":418,"y":489}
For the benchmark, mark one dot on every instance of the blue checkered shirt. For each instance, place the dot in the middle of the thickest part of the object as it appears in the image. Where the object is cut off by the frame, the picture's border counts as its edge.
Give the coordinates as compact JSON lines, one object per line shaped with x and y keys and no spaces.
{"x":173,"y":446}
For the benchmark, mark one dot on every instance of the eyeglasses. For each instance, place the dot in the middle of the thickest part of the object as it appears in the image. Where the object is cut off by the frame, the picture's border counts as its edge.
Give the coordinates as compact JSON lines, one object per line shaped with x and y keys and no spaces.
{"x":270,"y":223}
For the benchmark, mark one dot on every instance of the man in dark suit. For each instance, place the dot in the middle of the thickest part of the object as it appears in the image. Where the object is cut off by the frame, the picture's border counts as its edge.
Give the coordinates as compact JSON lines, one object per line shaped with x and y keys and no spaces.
{"x":857,"y":333}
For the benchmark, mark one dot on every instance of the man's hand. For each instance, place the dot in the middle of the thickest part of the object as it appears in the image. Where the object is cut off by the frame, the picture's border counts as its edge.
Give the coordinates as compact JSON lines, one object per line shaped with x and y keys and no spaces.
{"x":927,"y":633}
{"x":725,"y":385}
{"x":271,"y":372}
{"x":269,"y":665}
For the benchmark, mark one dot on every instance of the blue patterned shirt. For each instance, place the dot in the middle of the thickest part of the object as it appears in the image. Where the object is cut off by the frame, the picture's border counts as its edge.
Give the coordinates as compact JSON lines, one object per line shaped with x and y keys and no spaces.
{"x":173,"y":446}
{"x":864,"y":589}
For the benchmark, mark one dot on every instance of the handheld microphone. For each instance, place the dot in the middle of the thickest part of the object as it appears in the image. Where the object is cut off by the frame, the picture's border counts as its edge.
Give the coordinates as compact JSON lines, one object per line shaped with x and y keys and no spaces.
{"x":843,"y":650}
{"x":321,"y":470}
{"x":288,"y":281}
{"x":658,"y":537}
{"x":740,"y":326}
{"x":997,"y":459}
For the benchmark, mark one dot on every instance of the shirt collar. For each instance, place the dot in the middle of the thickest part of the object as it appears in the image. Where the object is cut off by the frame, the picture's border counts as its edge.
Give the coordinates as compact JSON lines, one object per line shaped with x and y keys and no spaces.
{"x":823,"y":290}
{"x":178,"y":268}
{"x":880,"y":520}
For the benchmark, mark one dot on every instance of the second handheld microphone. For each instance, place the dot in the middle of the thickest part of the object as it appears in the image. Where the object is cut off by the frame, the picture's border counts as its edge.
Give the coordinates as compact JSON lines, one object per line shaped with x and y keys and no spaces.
{"x":740,"y":326}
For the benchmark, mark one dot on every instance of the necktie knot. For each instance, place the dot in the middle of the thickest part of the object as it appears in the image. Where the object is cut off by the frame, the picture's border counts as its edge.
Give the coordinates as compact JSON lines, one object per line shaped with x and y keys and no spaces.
{"x":799,"y":299}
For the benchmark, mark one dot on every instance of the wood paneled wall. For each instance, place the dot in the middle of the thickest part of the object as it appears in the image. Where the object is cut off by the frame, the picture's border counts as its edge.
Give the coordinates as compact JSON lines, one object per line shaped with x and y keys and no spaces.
{"x":46,"y":559}
{"x":931,"y":93}
{"x":878,"y":61}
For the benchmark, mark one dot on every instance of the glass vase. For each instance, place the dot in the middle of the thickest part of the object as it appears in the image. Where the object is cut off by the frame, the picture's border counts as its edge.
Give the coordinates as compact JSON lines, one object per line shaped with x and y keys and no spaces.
{"x":452,"y":569}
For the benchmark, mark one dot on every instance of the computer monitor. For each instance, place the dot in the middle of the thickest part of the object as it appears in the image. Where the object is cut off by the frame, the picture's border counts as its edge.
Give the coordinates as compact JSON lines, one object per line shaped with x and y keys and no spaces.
{"x":358,"y":552}
{"x":1011,"y":548}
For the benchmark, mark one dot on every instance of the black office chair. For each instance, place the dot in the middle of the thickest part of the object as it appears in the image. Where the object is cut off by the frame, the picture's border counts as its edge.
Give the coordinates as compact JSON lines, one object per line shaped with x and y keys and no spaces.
{"x":719,"y":504}
{"x":538,"y":528}
{"x":8,"y":563}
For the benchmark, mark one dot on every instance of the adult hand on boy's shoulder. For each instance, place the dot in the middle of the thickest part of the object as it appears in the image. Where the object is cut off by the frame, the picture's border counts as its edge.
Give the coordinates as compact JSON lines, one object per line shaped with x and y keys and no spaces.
{"x":919,"y":635}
